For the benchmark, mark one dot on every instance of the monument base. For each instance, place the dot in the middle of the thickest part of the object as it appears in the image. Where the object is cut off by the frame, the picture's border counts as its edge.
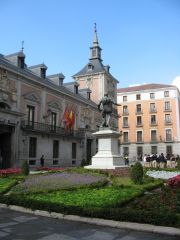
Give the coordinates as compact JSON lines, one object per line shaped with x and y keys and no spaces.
{"x":104,"y":167}
{"x":108,"y":156}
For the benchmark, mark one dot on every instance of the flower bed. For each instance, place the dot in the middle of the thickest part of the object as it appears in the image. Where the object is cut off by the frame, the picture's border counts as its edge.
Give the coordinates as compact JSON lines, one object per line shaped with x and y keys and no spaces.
{"x":41,"y":170}
{"x":49,"y":169}
{"x":162,"y":174}
{"x":10,"y":171}
{"x":85,"y":195}
{"x":174,"y":182}
{"x":56,"y":181}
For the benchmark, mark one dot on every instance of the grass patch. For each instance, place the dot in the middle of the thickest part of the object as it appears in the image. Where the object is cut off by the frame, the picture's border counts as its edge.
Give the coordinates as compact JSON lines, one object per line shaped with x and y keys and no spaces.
{"x":6,"y":184}
{"x":88,"y":197}
{"x":147,"y":184}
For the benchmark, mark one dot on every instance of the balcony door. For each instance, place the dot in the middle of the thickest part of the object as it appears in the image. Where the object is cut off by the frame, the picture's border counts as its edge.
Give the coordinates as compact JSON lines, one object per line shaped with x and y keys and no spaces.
{"x":53,"y":121}
{"x":31,"y":115}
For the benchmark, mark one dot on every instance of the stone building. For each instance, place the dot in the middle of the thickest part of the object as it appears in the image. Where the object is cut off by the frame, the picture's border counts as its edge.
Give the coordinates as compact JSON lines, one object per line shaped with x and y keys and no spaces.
{"x":96,"y":76}
{"x":41,"y":114}
{"x":150,"y":120}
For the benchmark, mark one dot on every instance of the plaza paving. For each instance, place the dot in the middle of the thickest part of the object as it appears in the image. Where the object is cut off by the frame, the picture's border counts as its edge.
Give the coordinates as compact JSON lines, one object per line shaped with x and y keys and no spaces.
{"x":24,"y":226}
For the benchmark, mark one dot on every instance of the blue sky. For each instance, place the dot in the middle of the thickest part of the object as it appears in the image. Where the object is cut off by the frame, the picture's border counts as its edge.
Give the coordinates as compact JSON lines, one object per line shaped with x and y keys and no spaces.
{"x":140,"y":38}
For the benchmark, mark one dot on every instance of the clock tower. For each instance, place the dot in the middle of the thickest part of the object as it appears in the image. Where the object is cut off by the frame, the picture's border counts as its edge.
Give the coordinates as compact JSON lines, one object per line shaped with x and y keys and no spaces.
{"x":96,"y":76}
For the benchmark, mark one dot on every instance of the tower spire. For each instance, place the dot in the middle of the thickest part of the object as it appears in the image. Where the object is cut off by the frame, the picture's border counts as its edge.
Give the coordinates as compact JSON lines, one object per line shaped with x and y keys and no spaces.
{"x":95,"y":49}
{"x":95,"y":41}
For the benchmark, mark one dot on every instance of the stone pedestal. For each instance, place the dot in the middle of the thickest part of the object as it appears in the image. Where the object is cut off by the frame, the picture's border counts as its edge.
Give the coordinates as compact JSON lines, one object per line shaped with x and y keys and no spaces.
{"x":108,"y":156}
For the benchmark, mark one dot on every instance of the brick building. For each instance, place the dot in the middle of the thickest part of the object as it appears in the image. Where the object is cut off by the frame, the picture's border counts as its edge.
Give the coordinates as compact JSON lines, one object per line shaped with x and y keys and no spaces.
{"x":149,"y":120}
{"x":41,"y":114}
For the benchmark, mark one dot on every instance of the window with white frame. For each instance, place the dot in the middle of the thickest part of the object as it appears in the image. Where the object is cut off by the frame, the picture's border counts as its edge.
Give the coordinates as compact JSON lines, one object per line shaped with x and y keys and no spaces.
{"x":124,"y":98}
{"x":53,"y":120}
{"x":125,"y":109}
{"x":166,"y":93}
{"x":125,"y":121}
{"x":152,"y":107}
{"x":139,"y":136}
{"x":153,"y":135}
{"x":167,"y":106}
{"x":169,"y":150}
{"x":138,"y":108}
{"x":139,"y":153}
{"x":152,"y":95}
{"x":30,"y":115}
{"x":139,"y":120}
{"x":153,"y":149}
{"x":125,"y":137}
{"x":125,"y":151}
{"x":168,"y":135}
{"x":167,"y":118}
{"x":153,"y":119}
{"x":138,"y":96}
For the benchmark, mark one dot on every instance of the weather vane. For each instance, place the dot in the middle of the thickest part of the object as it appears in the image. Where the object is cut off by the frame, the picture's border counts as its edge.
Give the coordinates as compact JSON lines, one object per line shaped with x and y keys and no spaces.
{"x":95,"y":26}
{"x":22,"y":44}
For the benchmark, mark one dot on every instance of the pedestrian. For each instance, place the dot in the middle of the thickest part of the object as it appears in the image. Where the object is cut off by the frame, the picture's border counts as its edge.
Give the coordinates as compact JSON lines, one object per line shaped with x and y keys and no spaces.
{"x":162,"y":160}
{"x":42,"y":161}
{"x":126,"y":159}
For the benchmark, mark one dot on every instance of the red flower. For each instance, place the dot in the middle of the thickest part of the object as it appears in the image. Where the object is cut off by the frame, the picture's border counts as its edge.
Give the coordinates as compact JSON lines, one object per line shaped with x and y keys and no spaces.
{"x":9,"y":171}
{"x":49,"y":169}
{"x":174,"y":182}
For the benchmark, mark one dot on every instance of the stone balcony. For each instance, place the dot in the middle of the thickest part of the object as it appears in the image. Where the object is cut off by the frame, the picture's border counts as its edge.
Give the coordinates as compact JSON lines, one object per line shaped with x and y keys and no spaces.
{"x":52,"y":130}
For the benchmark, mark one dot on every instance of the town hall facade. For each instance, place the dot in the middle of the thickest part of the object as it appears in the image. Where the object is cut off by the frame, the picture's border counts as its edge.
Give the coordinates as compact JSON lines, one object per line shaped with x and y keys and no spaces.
{"x":42,"y":115}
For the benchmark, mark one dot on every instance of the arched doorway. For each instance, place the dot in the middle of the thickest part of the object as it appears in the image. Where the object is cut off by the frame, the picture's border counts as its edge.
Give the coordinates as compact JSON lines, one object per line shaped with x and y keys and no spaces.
{"x":5,"y":147}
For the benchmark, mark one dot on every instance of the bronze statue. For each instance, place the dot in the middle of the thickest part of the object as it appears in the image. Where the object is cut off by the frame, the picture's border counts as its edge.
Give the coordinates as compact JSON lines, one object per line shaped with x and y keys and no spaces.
{"x":106,"y":108}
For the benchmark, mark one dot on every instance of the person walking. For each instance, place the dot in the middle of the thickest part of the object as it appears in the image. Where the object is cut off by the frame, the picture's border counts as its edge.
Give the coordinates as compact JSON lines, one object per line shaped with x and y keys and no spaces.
{"x":42,"y":161}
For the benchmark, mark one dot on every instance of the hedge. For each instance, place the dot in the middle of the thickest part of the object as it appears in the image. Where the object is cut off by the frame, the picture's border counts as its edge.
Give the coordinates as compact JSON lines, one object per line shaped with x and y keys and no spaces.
{"x":120,"y":214}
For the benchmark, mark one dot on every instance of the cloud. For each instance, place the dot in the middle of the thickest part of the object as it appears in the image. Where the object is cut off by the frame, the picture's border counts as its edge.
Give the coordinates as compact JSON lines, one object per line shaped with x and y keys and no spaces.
{"x":176,"y":82}
{"x":137,"y":84}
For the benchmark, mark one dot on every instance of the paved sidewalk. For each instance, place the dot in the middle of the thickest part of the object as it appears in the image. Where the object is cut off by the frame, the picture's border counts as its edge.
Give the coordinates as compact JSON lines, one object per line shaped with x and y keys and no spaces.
{"x":16,"y":225}
{"x":168,"y":231}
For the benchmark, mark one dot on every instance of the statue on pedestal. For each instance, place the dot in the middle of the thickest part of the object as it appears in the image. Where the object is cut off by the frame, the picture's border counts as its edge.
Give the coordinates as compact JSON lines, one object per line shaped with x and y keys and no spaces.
{"x":106,"y":108}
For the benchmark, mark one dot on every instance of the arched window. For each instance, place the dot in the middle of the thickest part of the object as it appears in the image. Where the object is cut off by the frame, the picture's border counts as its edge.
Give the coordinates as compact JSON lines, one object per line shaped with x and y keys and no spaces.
{"x":4,"y":105}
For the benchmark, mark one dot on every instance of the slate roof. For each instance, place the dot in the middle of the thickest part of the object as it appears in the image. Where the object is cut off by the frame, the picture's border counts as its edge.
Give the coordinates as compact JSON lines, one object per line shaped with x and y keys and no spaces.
{"x":98,"y":67}
{"x":20,"y":53}
{"x":41,"y":65}
{"x":143,"y":87}
{"x":26,"y":72}
{"x":59,"y":75}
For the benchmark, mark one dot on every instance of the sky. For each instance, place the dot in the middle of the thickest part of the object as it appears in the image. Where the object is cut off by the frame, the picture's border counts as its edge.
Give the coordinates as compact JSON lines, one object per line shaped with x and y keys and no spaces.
{"x":140,"y":38}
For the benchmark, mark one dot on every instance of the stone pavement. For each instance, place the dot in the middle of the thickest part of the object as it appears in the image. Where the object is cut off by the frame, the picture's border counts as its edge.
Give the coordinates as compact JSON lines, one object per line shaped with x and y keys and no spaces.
{"x":17,"y":225}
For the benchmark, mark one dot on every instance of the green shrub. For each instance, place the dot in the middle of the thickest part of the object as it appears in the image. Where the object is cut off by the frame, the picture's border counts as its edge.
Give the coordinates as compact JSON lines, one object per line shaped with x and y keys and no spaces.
{"x":83,"y":163}
{"x":119,"y":214}
{"x":25,"y":168}
{"x":137,"y":173}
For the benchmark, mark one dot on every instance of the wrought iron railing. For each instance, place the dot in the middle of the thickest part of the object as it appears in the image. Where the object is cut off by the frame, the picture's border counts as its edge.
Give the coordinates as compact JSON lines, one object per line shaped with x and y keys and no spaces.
{"x":51,"y":129}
